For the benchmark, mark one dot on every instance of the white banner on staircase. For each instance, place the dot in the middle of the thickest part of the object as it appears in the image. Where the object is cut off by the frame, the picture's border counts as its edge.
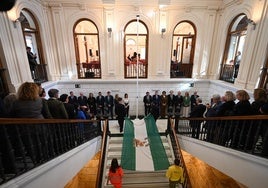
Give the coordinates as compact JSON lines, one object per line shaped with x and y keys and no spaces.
{"x":144,"y":161}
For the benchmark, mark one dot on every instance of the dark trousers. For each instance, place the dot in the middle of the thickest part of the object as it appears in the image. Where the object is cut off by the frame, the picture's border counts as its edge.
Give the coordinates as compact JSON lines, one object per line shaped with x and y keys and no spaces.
{"x":172,"y":184}
{"x":121,"y":123}
{"x":147,"y":109}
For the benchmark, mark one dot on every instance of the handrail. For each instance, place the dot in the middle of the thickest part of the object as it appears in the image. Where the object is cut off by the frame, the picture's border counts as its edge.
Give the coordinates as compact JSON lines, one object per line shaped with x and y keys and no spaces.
{"x":187,"y":182}
{"x":247,"y":134}
{"x":102,"y":155}
{"x":25,"y":121}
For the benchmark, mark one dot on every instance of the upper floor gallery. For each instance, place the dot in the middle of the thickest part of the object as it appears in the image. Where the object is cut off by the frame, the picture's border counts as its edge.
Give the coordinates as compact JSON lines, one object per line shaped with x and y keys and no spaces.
{"x":119,"y":40}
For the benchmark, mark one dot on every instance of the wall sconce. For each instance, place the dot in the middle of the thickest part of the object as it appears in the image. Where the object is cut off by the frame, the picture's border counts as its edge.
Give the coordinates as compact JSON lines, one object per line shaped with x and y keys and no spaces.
{"x":109,"y":31}
{"x":163,"y":30}
{"x":250,"y":21}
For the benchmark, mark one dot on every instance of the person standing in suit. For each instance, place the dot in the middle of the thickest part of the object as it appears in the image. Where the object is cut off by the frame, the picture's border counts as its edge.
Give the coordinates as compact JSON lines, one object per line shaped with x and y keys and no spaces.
{"x":73,"y":99}
{"x":82,"y":100}
{"x":147,"y":100}
{"x":121,"y":113}
{"x":171,"y":103}
{"x":193,"y":100}
{"x":163,"y":104}
{"x":100,"y":104}
{"x":156,"y":99}
{"x":91,"y":102}
{"x":32,"y":62}
{"x":179,"y":100}
{"x":198,"y":111}
{"x":109,"y":104}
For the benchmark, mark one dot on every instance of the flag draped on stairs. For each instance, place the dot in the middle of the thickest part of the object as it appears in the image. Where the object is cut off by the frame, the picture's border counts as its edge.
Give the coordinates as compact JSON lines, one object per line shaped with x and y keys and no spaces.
{"x":143,"y":149}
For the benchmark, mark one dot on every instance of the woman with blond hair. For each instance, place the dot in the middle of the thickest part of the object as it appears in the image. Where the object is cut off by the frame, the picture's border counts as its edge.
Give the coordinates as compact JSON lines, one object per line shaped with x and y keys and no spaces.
{"x":242,"y":108}
{"x":260,"y":98}
{"x":28,"y":103}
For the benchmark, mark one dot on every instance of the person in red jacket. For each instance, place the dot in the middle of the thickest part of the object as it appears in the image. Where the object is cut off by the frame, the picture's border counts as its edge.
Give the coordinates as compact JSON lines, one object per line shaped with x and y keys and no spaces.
{"x":115,"y":174}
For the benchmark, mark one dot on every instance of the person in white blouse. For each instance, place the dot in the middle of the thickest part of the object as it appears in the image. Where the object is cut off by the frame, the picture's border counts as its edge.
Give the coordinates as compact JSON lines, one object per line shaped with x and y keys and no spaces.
{"x":126,"y":102}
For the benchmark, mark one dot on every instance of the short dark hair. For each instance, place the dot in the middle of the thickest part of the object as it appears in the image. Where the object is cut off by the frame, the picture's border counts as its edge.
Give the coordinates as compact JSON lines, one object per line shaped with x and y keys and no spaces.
{"x":177,"y":161}
{"x":53,"y":92}
{"x":63,"y":97}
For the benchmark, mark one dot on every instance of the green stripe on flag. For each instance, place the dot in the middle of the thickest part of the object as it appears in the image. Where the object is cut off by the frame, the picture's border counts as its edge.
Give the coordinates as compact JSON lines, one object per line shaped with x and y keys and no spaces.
{"x":158,"y":152}
{"x":128,"y":157}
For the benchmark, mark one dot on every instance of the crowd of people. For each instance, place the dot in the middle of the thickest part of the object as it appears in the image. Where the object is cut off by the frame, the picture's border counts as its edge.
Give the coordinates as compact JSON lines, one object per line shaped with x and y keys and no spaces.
{"x":30,"y":102}
{"x":163,"y":106}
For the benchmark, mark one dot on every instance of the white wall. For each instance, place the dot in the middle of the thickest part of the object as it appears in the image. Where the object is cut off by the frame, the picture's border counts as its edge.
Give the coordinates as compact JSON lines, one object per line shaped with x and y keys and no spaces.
{"x":245,"y":168}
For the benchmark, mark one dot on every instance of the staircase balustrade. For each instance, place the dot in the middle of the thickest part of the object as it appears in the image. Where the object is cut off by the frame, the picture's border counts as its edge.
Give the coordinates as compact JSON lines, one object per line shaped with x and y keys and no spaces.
{"x":28,"y":143}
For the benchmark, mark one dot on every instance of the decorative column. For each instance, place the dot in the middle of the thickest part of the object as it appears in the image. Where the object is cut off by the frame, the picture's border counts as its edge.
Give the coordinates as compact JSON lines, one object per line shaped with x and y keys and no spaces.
{"x":110,"y":30}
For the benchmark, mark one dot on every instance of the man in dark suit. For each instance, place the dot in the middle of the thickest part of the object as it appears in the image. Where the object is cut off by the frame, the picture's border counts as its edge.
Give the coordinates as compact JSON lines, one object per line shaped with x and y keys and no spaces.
{"x":109,"y":104}
{"x":193,"y":100}
{"x":100,"y":104}
{"x":72,"y":99}
{"x":121,"y":113}
{"x":147,"y":100}
{"x":82,"y":100}
{"x":171,"y":103}
{"x":156,"y":99}
{"x":197,"y":111}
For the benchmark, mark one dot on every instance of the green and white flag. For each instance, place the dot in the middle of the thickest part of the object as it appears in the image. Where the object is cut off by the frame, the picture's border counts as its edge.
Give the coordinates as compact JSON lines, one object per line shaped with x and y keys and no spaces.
{"x":143,"y":149}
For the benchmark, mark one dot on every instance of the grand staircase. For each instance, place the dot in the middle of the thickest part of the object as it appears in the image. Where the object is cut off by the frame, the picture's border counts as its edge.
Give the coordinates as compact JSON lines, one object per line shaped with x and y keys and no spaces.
{"x":156,"y":179}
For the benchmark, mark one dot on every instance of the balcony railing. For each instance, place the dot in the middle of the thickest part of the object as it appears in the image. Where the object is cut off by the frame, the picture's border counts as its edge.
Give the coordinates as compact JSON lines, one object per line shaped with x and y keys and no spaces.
{"x":227,"y":73}
{"x":89,"y":70}
{"x":28,"y":143}
{"x":40,"y":75}
{"x":180,"y":70}
{"x":134,"y":69}
{"x":247,"y":134}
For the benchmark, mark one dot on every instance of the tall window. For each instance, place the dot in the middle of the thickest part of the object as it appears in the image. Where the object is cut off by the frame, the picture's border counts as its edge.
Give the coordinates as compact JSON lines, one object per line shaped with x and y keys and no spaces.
{"x":86,"y":39}
{"x":136,"y":48}
{"x":234,"y":48}
{"x":183,"y":47}
{"x":33,"y":43}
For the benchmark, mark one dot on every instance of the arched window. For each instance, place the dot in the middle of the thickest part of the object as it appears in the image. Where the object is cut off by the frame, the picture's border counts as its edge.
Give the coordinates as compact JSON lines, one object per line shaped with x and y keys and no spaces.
{"x":86,"y":40}
{"x":33,"y":46}
{"x":234,"y":48}
{"x":136,"y":48}
{"x":183,"y":47}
